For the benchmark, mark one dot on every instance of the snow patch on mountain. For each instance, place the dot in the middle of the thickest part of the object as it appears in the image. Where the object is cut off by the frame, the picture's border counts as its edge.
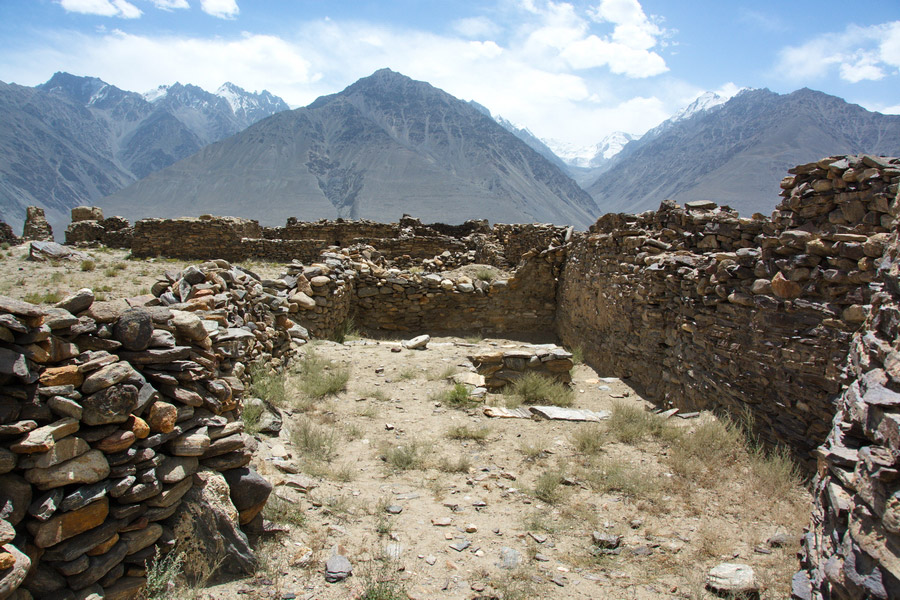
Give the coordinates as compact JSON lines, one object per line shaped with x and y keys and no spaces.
{"x":593,"y":155}
{"x":156,"y":94}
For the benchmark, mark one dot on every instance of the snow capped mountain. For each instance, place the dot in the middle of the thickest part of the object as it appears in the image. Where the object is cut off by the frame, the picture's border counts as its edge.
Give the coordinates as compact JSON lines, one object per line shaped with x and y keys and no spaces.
{"x":156,"y":93}
{"x":594,"y":155}
{"x":250,"y":106}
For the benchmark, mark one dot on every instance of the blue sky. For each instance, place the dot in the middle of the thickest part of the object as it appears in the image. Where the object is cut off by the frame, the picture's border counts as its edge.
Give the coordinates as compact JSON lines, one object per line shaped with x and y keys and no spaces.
{"x":572,"y":71}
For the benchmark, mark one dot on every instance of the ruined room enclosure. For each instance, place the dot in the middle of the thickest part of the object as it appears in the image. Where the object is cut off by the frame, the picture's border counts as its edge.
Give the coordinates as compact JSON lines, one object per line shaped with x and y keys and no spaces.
{"x":775,"y":321}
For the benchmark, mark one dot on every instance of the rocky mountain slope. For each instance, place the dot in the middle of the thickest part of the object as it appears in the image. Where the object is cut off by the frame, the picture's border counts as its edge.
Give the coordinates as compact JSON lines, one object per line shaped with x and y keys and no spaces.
{"x":385,"y":146}
{"x":73,"y":140}
{"x":736,"y":153}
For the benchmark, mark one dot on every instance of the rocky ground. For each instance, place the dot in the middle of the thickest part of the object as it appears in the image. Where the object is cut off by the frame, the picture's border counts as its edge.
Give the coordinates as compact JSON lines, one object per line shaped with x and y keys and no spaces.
{"x":431,"y":500}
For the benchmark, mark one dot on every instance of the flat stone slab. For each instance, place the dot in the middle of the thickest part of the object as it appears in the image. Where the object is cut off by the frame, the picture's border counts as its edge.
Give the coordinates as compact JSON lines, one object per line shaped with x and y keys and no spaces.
{"x":552,"y":413}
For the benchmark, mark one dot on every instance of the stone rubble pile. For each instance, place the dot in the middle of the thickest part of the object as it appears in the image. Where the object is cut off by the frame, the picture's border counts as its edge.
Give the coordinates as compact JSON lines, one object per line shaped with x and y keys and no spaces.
{"x":7,"y":236}
{"x":502,"y":367}
{"x":119,"y":432}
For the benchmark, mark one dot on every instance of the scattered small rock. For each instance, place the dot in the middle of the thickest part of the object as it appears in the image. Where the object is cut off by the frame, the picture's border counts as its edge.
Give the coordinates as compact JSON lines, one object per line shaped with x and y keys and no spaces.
{"x":337,"y":568}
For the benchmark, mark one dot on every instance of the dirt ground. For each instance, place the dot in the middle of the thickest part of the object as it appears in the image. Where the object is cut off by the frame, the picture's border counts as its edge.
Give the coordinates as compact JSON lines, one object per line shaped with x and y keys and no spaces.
{"x":393,"y":478}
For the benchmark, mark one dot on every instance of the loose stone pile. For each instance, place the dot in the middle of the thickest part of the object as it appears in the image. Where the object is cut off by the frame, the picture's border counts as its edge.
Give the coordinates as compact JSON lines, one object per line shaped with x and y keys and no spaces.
{"x":501,"y":368}
{"x":7,"y":236}
{"x":118,"y":432}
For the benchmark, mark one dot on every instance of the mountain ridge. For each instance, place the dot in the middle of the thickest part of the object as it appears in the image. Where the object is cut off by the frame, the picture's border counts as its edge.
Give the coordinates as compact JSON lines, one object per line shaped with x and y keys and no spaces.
{"x":384,"y":146}
{"x":85,"y":138}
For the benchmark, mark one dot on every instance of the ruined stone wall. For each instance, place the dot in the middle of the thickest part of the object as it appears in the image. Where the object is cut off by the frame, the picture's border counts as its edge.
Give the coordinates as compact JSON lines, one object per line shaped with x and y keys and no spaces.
{"x":88,"y":227}
{"x":523,"y":305}
{"x":852,"y":549}
{"x":193,"y":238}
{"x":334,"y":233}
{"x":306,"y":251}
{"x":710,"y":311}
{"x":516,"y":240}
{"x":117,"y":424}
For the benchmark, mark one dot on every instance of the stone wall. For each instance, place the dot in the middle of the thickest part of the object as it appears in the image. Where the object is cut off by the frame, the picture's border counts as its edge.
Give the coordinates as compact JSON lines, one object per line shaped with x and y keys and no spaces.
{"x":7,"y":236}
{"x":193,"y":238}
{"x":89,"y":228}
{"x":705,"y":310}
{"x":852,"y":549}
{"x":36,"y":226}
{"x":117,"y":423}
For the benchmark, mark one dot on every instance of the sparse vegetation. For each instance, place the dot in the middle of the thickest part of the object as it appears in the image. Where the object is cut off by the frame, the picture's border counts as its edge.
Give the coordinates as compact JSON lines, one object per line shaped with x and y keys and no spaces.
{"x":462,"y":464}
{"x":406,"y":457}
{"x":616,"y":475}
{"x":268,"y":385}
{"x":320,"y":377}
{"x":45,"y":298}
{"x":533,"y":388}
{"x":88,"y":265}
{"x":629,"y":423}
{"x":251,"y":414}
{"x":588,"y":439}
{"x":444,"y":373}
{"x":164,"y":574}
{"x":485,"y":274}
{"x":548,"y":485}
{"x":345,"y":332}
{"x":313,"y":440}
{"x":279,"y":510}
{"x":456,"y":397}
{"x":464,"y":432}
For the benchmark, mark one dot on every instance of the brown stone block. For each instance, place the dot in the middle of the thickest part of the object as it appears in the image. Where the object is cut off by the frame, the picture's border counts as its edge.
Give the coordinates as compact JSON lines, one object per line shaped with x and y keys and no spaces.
{"x":65,"y":375}
{"x":70,"y":524}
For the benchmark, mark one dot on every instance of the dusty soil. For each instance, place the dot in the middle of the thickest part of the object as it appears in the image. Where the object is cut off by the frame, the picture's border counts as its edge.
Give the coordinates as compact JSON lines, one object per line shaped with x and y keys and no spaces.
{"x":673,"y":530}
{"x":674,"y":527}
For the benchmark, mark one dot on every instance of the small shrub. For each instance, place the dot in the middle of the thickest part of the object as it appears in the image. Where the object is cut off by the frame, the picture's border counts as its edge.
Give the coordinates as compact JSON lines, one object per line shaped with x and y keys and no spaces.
{"x":462,"y":464}
{"x":629,"y":423}
{"x":577,"y":355}
{"x":548,"y":486}
{"x":708,"y":449}
{"x":379,"y":395}
{"x":320,"y":377}
{"x":313,"y":440}
{"x":407,"y":457}
{"x":345,"y":332}
{"x":163,"y":576}
{"x":88,"y":265}
{"x":588,"y":439}
{"x":485,"y":274}
{"x":382,"y":581}
{"x":456,"y":397}
{"x":4,"y":246}
{"x":251,"y":415}
{"x":445,"y":373}
{"x":45,"y":298}
{"x":464,"y":432}
{"x":613,"y":475}
{"x":268,"y":386}
{"x":533,"y":388}
{"x":533,"y":448}
{"x":407,"y":374}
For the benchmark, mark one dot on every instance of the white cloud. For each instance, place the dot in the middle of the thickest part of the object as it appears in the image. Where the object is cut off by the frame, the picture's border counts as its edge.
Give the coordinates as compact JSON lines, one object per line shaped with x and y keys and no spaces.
{"x":554,"y":67}
{"x":565,"y":34}
{"x":169,"y":5}
{"x":475,"y":27}
{"x":103,"y":8}
{"x":857,"y":53}
{"x":223,"y":9}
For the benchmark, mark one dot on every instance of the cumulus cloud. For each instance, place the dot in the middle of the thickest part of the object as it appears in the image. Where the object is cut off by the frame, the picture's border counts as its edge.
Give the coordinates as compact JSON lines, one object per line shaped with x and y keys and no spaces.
{"x":103,"y":8}
{"x":571,"y":36}
{"x":856,"y":54}
{"x":223,"y":9}
{"x":169,"y":5}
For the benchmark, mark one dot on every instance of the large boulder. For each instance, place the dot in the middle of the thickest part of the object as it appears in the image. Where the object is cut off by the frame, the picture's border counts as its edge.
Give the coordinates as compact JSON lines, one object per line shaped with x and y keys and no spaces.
{"x":206,"y":527}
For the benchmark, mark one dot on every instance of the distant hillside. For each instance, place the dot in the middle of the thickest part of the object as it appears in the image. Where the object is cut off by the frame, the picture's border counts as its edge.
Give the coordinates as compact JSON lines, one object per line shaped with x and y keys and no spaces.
{"x":736,"y":153}
{"x":73,"y":140}
{"x":385,"y":146}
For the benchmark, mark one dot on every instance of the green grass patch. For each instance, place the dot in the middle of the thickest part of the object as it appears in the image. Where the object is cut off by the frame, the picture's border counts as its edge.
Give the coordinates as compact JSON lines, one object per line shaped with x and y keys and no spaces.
{"x":320,"y":377}
{"x":629,"y":423}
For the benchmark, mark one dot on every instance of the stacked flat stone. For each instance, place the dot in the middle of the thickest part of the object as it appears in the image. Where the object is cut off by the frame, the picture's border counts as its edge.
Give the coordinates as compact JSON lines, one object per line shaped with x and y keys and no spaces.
{"x":846,"y":194}
{"x":852,"y":549}
{"x":705,"y":309}
{"x":36,"y":226}
{"x":89,"y":228}
{"x":503,"y":367}
{"x":7,"y":236}
{"x":110,"y":416}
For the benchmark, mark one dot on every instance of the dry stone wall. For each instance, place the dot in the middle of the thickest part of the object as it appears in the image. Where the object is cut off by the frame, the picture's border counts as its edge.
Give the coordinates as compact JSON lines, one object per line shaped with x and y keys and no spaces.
{"x":36,"y":226}
{"x":119,"y":430}
{"x":89,"y":228}
{"x":707,"y":310}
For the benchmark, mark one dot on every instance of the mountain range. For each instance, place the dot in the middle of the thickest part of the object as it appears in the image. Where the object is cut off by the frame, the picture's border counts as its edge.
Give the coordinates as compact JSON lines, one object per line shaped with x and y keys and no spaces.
{"x":737,"y":152}
{"x":384,"y":146}
{"x":389,"y":145}
{"x":73,"y":140}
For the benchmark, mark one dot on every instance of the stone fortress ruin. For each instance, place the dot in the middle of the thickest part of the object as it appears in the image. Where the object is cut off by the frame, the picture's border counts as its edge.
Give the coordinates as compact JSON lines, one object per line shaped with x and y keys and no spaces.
{"x":107,"y":410}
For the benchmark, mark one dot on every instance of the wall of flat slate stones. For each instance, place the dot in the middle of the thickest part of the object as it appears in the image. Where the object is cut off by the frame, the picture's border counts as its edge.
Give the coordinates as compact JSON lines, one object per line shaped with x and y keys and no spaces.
{"x":114,"y":419}
{"x":852,"y":549}
{"x":193,"y":238}
{"x":706,"y":310}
